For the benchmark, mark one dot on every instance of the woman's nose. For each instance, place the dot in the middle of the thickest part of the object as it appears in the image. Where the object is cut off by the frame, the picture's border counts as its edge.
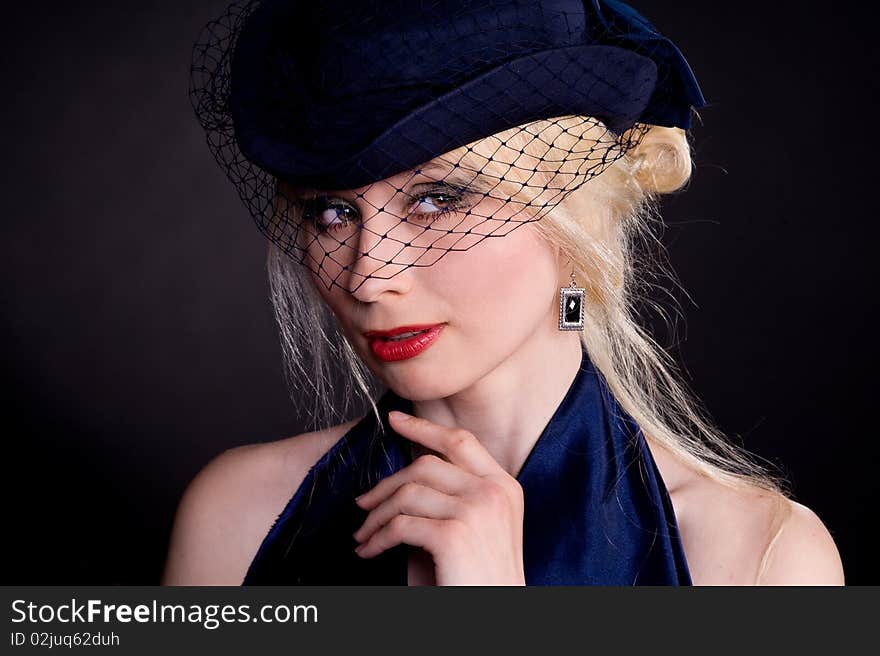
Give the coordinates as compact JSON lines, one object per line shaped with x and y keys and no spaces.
{"x":377,"y":249}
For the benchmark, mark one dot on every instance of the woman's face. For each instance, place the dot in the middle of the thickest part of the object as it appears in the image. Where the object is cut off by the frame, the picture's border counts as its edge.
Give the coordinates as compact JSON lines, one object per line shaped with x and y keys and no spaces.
{"x":498,"y":291}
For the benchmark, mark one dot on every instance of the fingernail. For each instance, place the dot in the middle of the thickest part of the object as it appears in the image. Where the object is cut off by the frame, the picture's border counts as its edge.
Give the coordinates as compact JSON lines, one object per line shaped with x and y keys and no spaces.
{"x":401,"y":416}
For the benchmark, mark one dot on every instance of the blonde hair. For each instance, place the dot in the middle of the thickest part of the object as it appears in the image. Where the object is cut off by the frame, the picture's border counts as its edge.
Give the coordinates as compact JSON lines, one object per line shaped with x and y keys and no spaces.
{"x":609,"y":228}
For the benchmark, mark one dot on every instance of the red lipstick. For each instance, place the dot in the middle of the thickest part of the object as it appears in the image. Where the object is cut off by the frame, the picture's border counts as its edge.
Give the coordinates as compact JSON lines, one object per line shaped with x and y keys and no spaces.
{"x":391,"y":350}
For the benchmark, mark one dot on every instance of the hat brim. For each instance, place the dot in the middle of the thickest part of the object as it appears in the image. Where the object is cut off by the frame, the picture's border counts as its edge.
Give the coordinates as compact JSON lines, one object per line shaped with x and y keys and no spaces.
{"x":610,"y":83}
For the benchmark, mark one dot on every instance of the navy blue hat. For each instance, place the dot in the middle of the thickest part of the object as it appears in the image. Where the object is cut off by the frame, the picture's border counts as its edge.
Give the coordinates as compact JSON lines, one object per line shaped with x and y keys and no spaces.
{"x":337,"y":95}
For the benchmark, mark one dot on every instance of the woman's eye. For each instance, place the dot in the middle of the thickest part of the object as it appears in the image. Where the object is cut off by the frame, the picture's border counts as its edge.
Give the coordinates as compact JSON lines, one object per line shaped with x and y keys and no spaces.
{"x":433,"y":203}
{"x":330,"y":214}
{"x":437,"y":202}
{"x":334,"y":215}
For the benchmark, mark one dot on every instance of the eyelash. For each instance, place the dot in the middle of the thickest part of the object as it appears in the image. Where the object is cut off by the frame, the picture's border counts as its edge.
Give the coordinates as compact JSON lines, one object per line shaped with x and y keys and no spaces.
{"x":311,"y":209}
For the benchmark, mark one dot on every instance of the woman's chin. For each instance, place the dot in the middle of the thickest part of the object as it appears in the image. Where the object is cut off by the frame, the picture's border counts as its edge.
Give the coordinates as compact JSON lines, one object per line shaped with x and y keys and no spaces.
{"x":419,"y":378}
{"x":420,"y":398}
{"x":418,"y":385}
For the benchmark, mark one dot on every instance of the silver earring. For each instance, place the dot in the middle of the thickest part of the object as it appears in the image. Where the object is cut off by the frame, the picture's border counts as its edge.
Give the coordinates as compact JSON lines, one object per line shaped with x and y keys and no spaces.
{"x":571,"y":306}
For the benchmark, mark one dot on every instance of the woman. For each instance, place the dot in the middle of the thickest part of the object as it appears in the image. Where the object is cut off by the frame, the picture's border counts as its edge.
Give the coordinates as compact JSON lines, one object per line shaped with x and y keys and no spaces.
{"x":454,"y":202}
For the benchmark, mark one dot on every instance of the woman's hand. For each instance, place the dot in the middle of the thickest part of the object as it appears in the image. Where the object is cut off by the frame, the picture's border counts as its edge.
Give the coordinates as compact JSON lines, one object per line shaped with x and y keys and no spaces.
{"x":465,"y":510}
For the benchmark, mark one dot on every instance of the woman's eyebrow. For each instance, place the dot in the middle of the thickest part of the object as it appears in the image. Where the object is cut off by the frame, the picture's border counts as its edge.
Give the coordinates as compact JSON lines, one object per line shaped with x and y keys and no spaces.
{"x":294,"y":192}
{"x":431,"y":166}
{"x":475,"y":180}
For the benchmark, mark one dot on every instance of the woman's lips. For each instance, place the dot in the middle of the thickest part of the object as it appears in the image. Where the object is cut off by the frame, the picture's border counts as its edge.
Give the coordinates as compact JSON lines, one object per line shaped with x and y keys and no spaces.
{"x":394,"y":350}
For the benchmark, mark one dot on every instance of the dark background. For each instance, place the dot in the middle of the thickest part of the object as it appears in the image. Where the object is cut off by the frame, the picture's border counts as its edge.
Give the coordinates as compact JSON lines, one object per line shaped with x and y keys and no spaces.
{"x":137,"y":337}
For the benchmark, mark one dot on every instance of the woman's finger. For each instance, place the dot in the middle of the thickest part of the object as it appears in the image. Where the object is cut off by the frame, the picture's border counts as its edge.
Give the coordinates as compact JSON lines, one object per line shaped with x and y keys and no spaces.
{"x":432,"y":535}
{"x":457,"y":445}
{"x":428,"y":470}
{"x":409,"y":499}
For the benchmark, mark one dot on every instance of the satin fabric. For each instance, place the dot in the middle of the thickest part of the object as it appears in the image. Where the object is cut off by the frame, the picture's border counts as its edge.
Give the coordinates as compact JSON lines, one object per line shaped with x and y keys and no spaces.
{"x":596,"y":509}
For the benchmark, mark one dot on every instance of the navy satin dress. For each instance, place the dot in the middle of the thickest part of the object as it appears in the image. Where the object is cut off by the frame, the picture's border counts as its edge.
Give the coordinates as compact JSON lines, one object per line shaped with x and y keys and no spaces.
{"x":596,"y":509}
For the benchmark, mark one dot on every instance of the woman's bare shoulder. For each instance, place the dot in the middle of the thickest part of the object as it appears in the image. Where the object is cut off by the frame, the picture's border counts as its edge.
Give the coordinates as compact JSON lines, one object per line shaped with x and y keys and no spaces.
{"x":229,"y":506}
{"x":803,"y":552}
{"x":748,"y":535}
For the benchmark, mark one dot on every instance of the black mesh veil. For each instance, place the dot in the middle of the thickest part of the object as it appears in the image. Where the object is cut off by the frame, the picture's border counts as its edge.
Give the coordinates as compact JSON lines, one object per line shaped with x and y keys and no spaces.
{"x":372,"y":137}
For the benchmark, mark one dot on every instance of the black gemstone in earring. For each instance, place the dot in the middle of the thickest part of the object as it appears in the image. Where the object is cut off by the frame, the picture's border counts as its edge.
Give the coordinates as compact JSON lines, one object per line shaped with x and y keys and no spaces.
{"x":572,"y":309}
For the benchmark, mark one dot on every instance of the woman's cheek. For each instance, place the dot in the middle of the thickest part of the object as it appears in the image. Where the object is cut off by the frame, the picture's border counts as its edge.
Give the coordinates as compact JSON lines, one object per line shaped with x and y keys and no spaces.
{"x":492,"y":286}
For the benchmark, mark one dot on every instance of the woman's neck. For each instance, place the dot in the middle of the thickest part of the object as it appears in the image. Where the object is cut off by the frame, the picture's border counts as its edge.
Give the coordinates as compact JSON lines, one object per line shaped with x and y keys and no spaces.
{"x":508,"y":408}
